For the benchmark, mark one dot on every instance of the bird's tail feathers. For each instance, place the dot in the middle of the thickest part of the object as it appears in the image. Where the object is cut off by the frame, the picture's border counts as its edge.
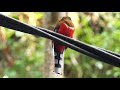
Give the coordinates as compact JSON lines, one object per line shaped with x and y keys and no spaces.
{"x":58,"y":62}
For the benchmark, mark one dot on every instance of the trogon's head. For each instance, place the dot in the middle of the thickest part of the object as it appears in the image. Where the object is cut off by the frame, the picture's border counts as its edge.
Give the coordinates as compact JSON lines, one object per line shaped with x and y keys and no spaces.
{"x":67,"y":20}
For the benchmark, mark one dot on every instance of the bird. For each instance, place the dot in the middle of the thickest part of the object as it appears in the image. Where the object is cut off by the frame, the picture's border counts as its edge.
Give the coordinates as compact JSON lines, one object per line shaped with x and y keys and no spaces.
{"x":65,"y":27}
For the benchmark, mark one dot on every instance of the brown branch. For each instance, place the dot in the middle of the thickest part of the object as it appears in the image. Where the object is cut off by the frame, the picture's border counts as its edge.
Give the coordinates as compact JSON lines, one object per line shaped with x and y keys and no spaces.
{"x":8,"y":56}
{"x":5,"y":50}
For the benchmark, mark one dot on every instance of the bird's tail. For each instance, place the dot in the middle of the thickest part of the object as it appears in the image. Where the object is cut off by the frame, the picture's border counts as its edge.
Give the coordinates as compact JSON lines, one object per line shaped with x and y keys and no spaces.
{"x":58,"y":62}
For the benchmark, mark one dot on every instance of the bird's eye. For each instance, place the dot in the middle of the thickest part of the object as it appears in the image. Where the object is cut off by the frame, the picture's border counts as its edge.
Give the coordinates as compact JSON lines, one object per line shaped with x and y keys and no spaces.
{"x":69,"y":18}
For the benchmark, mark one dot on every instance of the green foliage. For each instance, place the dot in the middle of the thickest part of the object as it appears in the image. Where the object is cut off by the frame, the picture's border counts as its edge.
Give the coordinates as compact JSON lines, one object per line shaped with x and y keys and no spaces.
{"x":109,"y":39}
{"x":28,"y":52}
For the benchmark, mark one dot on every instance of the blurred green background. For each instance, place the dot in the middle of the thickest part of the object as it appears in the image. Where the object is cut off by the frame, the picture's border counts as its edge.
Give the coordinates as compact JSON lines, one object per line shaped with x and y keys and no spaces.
{"x":24,"y":56}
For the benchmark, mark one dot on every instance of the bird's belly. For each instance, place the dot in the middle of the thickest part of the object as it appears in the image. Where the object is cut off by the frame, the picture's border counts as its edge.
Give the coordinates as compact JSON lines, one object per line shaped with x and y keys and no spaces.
{"x":59,"y":47}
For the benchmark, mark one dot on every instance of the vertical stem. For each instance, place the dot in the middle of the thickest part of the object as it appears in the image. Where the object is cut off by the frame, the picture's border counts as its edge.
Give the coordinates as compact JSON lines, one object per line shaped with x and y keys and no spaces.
{"x":66,"y":13}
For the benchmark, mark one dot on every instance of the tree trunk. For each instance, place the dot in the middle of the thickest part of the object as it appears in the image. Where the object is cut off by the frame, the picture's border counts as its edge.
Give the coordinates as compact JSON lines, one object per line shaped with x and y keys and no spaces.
{"x":50,"y":20}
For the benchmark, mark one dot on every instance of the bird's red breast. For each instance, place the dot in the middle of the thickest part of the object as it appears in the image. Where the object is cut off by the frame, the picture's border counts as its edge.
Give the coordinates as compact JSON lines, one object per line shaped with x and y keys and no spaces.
{"x":66,"y":30}
{"x":64,"y":27}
